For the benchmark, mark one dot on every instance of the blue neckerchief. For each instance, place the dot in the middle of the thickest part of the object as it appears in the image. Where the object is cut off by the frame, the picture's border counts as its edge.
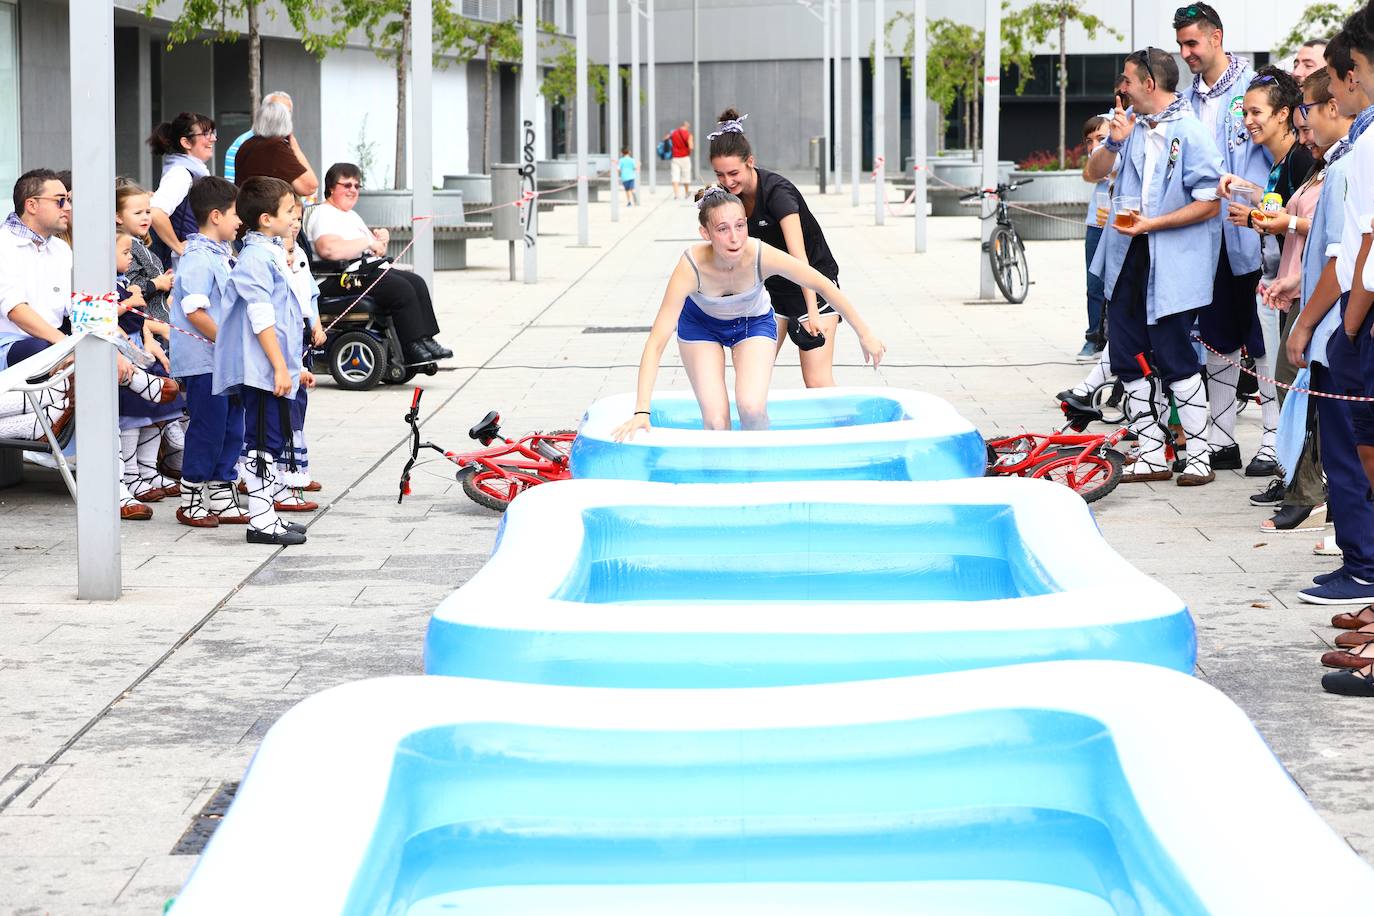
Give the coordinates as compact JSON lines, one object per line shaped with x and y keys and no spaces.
{"x":16,"y":225}
{"x":1174,"y":111}
{"x":196,"y":241}
{"x":1362,"y":122}
{"x":254,"y":237}
{"x":1227,"y":78}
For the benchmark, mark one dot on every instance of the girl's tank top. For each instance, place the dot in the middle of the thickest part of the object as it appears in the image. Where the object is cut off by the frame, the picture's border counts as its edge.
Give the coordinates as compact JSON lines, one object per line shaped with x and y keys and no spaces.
{"x":752,"y":303}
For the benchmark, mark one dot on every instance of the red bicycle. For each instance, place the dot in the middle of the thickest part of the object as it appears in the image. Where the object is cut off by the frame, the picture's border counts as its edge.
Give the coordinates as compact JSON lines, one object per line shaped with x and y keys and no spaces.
{"x":493,"y":476}
{"x":1088,"y":464}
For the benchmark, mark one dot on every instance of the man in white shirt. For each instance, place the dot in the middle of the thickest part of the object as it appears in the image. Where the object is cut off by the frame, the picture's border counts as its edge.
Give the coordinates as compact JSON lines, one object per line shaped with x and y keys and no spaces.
{"x":35,"y":267}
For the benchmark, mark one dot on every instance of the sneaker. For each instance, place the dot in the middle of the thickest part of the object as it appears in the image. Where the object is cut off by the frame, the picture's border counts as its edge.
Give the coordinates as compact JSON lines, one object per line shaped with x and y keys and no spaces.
{"x":1272,"y":495}
{"x":1342,"y":590}
{"x":1088,"y":353}
{"x":1326,"y":577}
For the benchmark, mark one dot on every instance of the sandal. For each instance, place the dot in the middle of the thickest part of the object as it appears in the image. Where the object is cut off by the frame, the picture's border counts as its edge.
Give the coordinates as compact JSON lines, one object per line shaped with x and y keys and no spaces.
{"x":1363,"y":657}
{"x":1355,"y":621}
{"x":1353,"y":639}
{"x":1350,"y":683}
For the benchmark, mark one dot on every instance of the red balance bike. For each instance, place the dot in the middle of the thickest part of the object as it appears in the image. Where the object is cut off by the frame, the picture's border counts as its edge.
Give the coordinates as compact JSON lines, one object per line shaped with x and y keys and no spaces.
{"x":1086,"y":463}
{"x":495,"y":475}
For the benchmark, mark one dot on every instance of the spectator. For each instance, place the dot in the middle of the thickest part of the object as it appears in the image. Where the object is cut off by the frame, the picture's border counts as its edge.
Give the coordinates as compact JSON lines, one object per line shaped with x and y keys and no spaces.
{"x":339,"y":234}
{"x":629,"y":171}
{"x":186,"y":144}
{"x":1308,"y":59}
{"x":231,"y":154}
{"x":680,"y":169}
{"x":272,"y":151}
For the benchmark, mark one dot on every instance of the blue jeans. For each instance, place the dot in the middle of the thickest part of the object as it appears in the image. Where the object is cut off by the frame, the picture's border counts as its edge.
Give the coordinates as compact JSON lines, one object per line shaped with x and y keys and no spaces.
{"x":1097,"y":293}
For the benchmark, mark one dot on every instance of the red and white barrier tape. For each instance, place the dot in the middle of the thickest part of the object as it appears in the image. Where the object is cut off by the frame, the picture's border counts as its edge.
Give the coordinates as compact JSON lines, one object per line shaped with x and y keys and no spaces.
{"x":1264,"y":378}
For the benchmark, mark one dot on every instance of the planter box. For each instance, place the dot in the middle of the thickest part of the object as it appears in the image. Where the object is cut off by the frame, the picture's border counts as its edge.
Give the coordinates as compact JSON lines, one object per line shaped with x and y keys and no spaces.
{"x":966,"y":173}
{"x":476,"y":188}
{"x":1061,"y":199}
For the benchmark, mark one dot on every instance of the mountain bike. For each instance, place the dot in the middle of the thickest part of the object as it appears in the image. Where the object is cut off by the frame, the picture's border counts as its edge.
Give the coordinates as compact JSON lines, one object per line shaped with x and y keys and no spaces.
{"x":1006,"y":251}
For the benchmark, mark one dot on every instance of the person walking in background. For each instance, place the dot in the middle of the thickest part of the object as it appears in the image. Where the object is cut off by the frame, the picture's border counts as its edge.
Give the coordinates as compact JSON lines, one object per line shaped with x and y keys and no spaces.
{"x":680,"y":169}
{"x":629,"y":172}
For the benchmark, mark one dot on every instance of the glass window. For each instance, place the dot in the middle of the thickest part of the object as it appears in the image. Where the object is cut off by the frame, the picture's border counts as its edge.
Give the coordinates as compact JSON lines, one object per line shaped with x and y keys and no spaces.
{"x":9,"y":95}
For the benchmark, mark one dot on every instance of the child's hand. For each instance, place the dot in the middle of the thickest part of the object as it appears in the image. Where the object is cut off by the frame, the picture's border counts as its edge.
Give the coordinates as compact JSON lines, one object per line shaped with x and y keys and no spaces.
{"x":317,"y":335}
{"x":873,"y":349}
{"x":154,"y":349}
{"x":281,"y":382}
{"x":164,"y":282}
{"x":133,"y":300}
{"x":307,"y":378}
{"x":627,"y":429}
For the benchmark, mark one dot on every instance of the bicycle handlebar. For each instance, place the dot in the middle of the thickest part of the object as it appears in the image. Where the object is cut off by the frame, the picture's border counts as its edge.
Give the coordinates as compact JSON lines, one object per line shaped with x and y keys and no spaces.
{"x":998,"y":191}
{"x":1144,"y":364}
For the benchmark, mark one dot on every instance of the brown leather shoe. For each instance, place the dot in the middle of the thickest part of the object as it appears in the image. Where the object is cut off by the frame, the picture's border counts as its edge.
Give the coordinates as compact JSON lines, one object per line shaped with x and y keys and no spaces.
{"x":306,"y":506}
{"x":171,"y":490}
{"x":1355,"y":621}
{"x":204,"y":521}
{"x":243,"y":488}
{"x":1353,"y":639}
{"x":1362,"y":657}
{"x":170,"y":389}
{"x":232,"y":519}
{"x":1196,"y":480}
{"x":135,"y":512}
{"x":1147,"y":476}
{"x":312,"y":487}
{"x":156,"y":494}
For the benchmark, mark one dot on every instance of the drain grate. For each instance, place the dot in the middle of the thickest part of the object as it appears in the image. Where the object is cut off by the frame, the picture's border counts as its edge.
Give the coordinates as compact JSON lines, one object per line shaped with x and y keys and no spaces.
{"x":617,"y":329}
{"x":203,"y":825}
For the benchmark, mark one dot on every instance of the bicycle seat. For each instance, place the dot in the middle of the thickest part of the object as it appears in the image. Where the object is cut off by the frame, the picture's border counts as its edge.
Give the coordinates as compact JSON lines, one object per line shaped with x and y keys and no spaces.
{"x":487,"y":429}
{"x":1079,"y":413}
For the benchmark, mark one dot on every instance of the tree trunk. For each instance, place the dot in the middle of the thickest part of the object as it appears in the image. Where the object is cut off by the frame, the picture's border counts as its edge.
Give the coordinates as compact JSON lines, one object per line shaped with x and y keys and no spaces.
{"x":254,"y":60}
{"x":402,"y":54}
{"x":1063,"y":85}
{"x":486,"y":115}
{"x":977,"y":120}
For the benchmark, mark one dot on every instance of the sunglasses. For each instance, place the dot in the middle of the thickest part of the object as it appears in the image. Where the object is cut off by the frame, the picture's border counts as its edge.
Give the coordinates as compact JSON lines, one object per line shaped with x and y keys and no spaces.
{"x":1142,"y":59}
{"x":62,"y":200}
{"x":1188,"y":14}
{"x":349,"y":185}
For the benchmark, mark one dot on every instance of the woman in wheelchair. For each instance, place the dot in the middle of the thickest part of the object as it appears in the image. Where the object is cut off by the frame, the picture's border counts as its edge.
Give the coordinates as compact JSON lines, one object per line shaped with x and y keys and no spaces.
{"x":338,"y":234}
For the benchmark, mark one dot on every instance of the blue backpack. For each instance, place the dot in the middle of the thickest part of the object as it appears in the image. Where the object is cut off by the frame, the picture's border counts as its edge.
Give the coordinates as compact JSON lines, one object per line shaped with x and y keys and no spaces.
{"x":665,"y":149}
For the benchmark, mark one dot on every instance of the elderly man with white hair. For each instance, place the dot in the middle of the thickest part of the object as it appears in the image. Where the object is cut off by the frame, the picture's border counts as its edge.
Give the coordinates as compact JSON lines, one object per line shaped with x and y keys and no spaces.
{"x":232,"y":152}
{"x":272,"y":151}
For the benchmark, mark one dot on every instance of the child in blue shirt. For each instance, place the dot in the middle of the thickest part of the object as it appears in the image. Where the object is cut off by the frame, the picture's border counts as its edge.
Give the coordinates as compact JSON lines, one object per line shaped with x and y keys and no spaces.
{"x":629,"y":171}
{"x":258,"y":351}
{"x":214,"y":432}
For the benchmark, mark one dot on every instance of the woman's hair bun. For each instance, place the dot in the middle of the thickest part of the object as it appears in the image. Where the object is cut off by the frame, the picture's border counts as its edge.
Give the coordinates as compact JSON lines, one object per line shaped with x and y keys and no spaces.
{"x":728,"y":114}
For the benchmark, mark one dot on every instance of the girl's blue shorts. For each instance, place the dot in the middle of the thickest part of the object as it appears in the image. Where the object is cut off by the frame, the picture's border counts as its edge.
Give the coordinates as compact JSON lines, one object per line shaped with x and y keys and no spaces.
{"x":695,"y":326}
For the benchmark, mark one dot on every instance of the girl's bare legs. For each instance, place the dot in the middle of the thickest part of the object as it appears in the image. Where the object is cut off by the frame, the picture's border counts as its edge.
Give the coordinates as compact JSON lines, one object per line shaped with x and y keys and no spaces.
{"x":705,"y":365}
{"x":753,"y":360}
{"x":818,"y":365}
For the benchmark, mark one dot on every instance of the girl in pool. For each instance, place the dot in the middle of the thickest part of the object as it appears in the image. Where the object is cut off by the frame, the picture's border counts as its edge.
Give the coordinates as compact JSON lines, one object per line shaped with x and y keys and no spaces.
{"x":716,"y":299}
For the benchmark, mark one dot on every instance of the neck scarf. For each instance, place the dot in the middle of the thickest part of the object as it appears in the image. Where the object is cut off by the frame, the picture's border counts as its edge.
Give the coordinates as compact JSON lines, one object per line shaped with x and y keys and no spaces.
{"x":14,"y":224}
{"x":193,"y":165}
{"x":1174,"y":111}
{"x":1362,"y":122}
{"x":1223,"y":84}
{"x":196,"y":241}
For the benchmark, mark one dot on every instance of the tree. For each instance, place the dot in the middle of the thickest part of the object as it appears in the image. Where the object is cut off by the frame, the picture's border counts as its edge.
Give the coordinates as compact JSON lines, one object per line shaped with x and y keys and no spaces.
{"x":1035,"y":22}
{"x":954,"y":66}
{"x":386,"y":23}
{"x":559,"y":85}
{"x":1319,"y":20}
{"x":208,"y":20}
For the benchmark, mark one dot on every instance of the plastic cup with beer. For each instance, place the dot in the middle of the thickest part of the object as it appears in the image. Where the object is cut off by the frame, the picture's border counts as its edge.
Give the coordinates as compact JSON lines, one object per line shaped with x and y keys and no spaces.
{"x":1127,"y":211}
{"x":1102,"y":201}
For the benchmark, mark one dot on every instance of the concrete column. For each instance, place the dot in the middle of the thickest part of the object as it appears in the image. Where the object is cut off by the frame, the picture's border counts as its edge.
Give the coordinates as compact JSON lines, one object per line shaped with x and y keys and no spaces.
{"x":825,"y":96}
{"x":879,"y":117}
{"x":529,"y":133}
{"x":636,"y":126}
{"x":145,"y":106}
{"x":855,"y":106}
{"x":653,"y":103}
{"x":918,"y":117}
{"x":613,"y":102}
{"x":838,"y":47}
{"x":91,"y":37}
{"x":992,"y":80}
{"x":422,"y":136}
{"x":700,"y":158}
{"x":580,"y":24}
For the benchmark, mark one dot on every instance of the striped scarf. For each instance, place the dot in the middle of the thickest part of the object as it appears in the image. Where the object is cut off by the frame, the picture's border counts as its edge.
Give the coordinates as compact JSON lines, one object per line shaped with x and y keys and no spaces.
{"x":1362,"y":122}
{"x":1227,"y":78}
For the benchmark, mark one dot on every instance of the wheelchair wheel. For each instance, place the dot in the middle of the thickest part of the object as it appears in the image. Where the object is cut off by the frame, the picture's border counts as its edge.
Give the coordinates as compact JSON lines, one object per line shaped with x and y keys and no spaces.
{"x":357,"y":360}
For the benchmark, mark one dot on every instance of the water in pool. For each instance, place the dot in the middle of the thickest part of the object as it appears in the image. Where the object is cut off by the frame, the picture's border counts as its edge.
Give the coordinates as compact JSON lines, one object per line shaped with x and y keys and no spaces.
{"x":1009,"y":811}
{"x":809,"y":413}
{"x":802,"y":552}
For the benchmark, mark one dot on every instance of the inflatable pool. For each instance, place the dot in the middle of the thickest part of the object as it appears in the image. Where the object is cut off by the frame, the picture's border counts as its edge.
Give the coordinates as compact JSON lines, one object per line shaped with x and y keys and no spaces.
{"x":631,"y":584}
{"x":1060,"y":788}
{"x":816,"y":434}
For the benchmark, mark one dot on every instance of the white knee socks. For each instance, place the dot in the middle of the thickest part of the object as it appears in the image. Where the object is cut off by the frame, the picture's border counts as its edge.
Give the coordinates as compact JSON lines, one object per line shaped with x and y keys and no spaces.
{"x":1222,"y":379}
{"x":1098,"y":375}
{"x":1143,"y":421}
{"x":1190,"y":399}
{"x":260,"y":475}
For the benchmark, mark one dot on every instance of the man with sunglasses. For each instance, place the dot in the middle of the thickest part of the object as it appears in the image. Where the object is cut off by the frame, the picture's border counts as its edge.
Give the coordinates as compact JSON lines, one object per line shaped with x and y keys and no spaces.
{"x":1217,"y":97}
{"x":35,"y":267}
{"x":1168,"y":162}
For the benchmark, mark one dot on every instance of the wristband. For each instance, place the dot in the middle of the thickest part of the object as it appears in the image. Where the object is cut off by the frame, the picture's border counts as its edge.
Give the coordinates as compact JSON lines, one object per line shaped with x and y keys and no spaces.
{"x":1293,"y":226}
{"x":1113,"y":146}
{"x":644,"y":412}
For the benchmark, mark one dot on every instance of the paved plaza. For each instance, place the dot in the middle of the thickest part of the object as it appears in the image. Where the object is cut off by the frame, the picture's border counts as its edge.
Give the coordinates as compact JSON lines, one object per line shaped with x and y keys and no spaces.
{"x":120,"y":721}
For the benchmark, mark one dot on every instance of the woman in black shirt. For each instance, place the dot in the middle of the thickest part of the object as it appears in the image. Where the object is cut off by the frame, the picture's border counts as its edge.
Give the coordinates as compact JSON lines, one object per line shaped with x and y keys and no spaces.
{"x":777,"y":214}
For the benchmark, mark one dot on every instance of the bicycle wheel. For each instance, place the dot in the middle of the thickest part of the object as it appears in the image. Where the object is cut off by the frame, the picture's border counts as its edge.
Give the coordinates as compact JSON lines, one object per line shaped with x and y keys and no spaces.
{"x":491,"y":489}
{"x":1092,"y":478}
{"x":1006,"y":453}
{"x":1007,"y":253}
{"x":1110,"y":398}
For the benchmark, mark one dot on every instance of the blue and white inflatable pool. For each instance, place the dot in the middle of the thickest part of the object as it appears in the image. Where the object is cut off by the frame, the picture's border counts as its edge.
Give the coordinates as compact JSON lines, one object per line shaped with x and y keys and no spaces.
{"x":816,"y":434}
{"x":1062,"y":788}
{"x":630,"y":584}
